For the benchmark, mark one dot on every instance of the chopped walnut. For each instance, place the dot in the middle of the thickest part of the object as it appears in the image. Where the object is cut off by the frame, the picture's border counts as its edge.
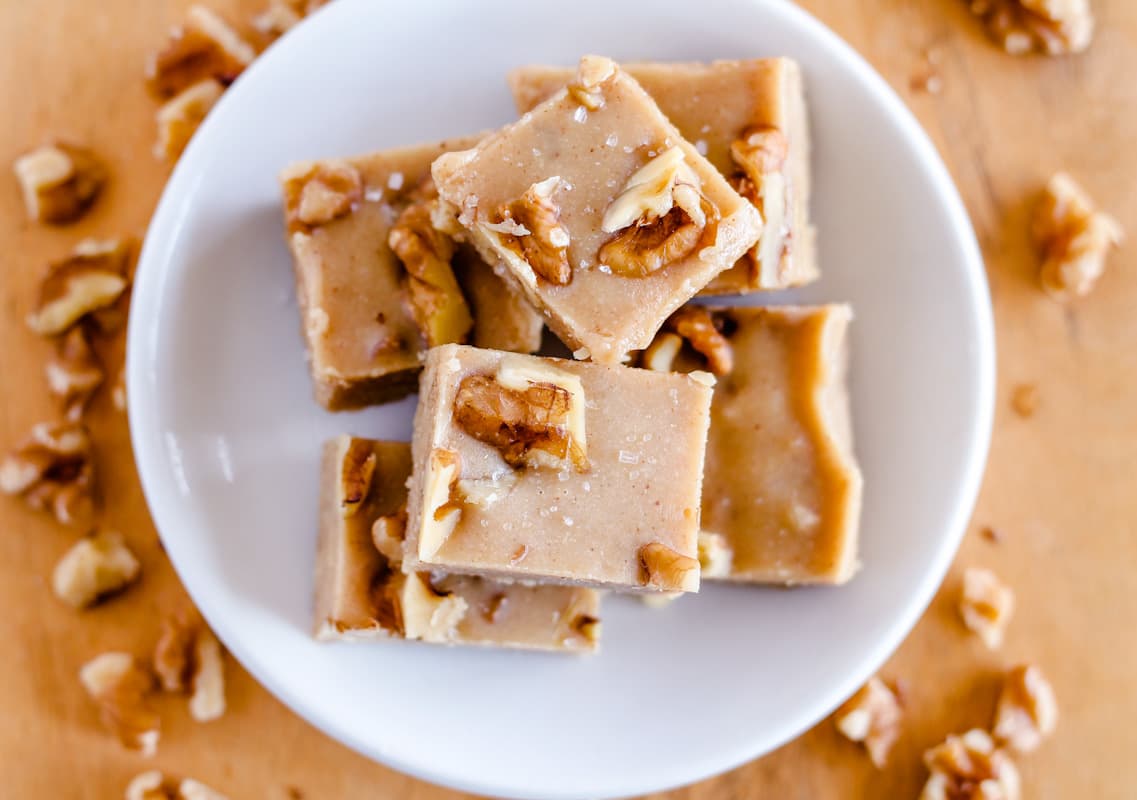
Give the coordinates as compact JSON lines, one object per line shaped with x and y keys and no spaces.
{"x":282,"y":15}
{"x":53,"y":470}
{"x":697,"y":326}
{"x":153,"y":785}
{"x":660,"y":355}
{"x":1053,"y":27}
{"x":872,"y":717}
{"x":439,"y":309}
{"x":440,"y":514}
{"x":587,"y":88}
{"x":317,"y":193}
{"x":356,"y":473}
{"x":95,"y":567}
{"x":93,"y":277}
{"x":761,"y":155}
{"x":204,"y":47}
{"x":530,"y":227}
{"x":488,"y":490}
{"x":986,"y":605}
{"x":1027,"y":712}
{"x":388,"y":534}
{"x":59,"y":181}
{"x":970,"y":767}
{"x":173,"y":654}
{"x":428,"y":615}
{"x":207,"y":699}
{"x":715,"y":555}
{"x":180,"y":116}
{"x":583,"y":629}
{"x":663,"y":568}
{"x":1074,"y":237}
{"x":188,"y":656}
{"x":74,"y":373}
{"x":119,"y":685}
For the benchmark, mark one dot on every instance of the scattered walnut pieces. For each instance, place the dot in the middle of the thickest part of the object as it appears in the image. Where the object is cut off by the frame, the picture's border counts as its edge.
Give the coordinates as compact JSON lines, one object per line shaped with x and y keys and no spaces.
{"x":439,"y":309}
{"x":427,"y":614}
{"x":74,"y":373}
{"x":715,"y":555}
{"x":1027,"y":711}
{"x":119,"y":685}
{"x":1074,"y":237}
{"x":53,"y":470}
{"x":95,"y":567}
{"x":663,"y":568}
{"x":872,"y":716}
{"x":970,"y":767}
{"x":315,"y":193}
{"x":59,"y":181}
{"x":697,"y":326}
{"x":1053,"y":27}
{"x":180,"y":116}
{"x":93,"y":277}
{"x":204,"y":47}
{"x":531,"y":227}
{"x":153,"y":785}
{"x":986,"y":605}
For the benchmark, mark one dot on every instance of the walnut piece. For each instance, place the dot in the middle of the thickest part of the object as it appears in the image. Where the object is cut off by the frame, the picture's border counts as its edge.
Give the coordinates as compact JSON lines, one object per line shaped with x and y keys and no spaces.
{"x":761,"y":155}
{"x":439,"y":309}
{"x":986,"y":605}
{"x":1053,"y":27}
{"x":1074,"y":237}
{"x":697,"y":326}
{"x":660,"y":355}
{"x":388,"y":534}
{"x":592,"y":74}
{"x":486,"y":491}
{"x":315,"y":193}
{"x":1027,"y":712}
{"x":583,"y":630}
{"x":664,"y":569}
{"x":440,"y":514}
{"x":207,"y":699}
{"x":180,"y":116}
{"x":153,"y":785}
{"x":173,"y":654}
{"x":282,"y":15}
{"x":659,"y":217}
{"x":715,"y":555}
{"x":93,"y":277}
{"x":119,"y":685}
{"x":74,"y":373}
{"x":53,"y":470}
{"x":872,"y":717}
{"x":530,"y":227}
{"x":970,"y":767}
{"x":188,"y":656}
{"x":204,"y":47}
{"x":427,"y":614}
{"x":95,"y":567}
{"x":356,"y":473}
{"x":59,"y":181}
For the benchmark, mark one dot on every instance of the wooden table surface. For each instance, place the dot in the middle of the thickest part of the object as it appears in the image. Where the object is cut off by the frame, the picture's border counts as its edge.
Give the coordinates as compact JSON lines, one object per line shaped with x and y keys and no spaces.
{"x":1060,"y":486}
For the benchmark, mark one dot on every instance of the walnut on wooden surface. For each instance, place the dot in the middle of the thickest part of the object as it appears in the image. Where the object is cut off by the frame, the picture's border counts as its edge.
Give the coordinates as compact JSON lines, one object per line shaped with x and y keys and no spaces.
{"x":986,"y":605}
{"x":203,"y":47}
{"x":154,"y":785}
{"x":180,"y":116}
{"x":970,"y":767}
{"x":1027,"y":711}
{"x":207,"y":697}
{"x":316,"y":193}
{"x":119,"y":685}
{"x":1074,"y":238}
{"x":173,"y":654}
{"x":53,"y":470}
{"x":531,"y":227}
{"x":665,"y":569}
{"x":189,"y":657}
{"x":872,"y":717}
{"x":74,"y":372}
{"x":95,"y":567}
{"x":92,"y":278}
{"x":60,"y":181}
{"x":1053,"y":27}
{"x":697,"y":326}
{"x":280,"y":16}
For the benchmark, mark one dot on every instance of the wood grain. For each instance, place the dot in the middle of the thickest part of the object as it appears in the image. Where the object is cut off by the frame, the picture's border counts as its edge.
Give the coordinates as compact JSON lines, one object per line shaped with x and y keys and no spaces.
{"x":1059,"y":488}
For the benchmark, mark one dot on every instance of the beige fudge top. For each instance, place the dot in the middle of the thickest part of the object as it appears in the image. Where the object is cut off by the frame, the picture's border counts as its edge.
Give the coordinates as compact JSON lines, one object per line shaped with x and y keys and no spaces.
{"x":625,"y":515}
{"x":714,"y":105}
{"x":361,"y":594}
{"x":363,"y":342}
{"x":781,"y":484}
{"x":588,"y":150}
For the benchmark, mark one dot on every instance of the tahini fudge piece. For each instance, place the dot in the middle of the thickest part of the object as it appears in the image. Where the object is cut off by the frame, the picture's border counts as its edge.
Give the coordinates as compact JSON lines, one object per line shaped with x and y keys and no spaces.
{"x":599,"y":210}
{"x":376,"y":282}
{"x":749,"y":119}
{"x":561,"y":471}
{"x":781,"y":489}
{"x":362,"y":595}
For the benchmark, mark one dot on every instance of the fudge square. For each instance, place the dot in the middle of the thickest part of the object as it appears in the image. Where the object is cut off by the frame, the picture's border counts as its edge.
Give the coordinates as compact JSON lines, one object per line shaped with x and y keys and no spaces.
{"x":599,"y":210}
{"x":781,"y":489}
{"x":749,"y":119}
{"x":529,"y":468}
{"x":377,"y":284}
{"x":362,"y":595}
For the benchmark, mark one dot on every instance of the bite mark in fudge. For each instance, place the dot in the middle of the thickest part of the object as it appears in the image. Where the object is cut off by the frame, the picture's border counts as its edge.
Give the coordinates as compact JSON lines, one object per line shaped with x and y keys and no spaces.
{"x":362,"y":595}
{"x":559,"y":471}
{"x":749,"y":119}
{"x":782,"y":490}
{"x":633,"y":221}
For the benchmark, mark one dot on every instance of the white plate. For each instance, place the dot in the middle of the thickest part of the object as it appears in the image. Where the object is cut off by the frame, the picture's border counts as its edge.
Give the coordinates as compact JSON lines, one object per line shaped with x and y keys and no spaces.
{"x":227,"y":436}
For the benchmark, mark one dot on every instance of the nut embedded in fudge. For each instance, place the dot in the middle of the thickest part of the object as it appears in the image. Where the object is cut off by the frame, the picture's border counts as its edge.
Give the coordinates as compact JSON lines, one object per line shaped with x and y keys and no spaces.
{"x":599,"y":210}
{"x":529,"y":468}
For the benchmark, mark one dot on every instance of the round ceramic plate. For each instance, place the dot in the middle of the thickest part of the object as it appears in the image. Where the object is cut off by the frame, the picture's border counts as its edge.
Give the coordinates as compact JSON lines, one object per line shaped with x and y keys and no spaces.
{"x":227,"y":436}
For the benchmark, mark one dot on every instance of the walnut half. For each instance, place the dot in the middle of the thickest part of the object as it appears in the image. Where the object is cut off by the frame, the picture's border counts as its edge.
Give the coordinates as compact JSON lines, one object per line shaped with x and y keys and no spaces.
{"x":1074,"y":237}
{"x":119,"y":685}
{"x":1053,"y":27}
{"x":95,"y":567}
{"x":970,"y":767}
{"x":1027,"y":712}
{"x":872,"y":717}
{"x":93,"y":277}
{"x":59,"y":181}
{"x":530,"y":227}
{"x":54,"y":471}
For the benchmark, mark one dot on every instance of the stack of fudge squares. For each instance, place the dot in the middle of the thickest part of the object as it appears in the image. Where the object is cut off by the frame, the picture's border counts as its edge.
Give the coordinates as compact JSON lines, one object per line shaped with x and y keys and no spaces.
{"x":681,"y":441}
